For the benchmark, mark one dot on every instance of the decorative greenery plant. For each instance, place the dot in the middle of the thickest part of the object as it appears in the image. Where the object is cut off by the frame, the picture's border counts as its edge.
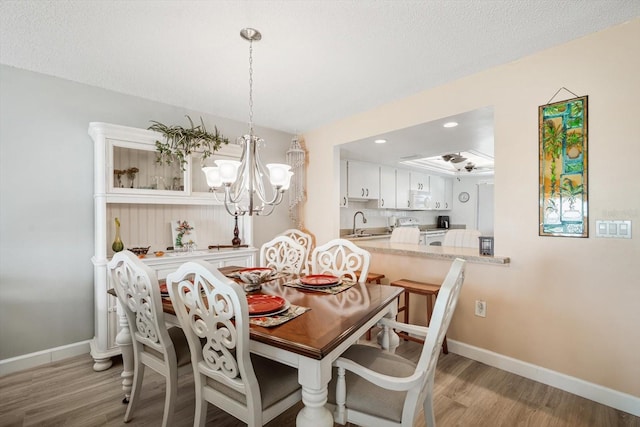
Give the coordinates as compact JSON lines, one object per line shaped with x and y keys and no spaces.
{"x":182,"y":142}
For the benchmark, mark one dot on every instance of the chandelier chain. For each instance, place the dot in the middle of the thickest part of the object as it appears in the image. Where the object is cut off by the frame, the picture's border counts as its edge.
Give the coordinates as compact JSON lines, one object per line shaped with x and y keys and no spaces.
{"x":251,"y":88}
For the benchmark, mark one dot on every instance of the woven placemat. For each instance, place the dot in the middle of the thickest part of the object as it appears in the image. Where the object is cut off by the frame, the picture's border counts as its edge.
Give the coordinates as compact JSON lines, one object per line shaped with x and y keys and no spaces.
{"x":271,"y":321}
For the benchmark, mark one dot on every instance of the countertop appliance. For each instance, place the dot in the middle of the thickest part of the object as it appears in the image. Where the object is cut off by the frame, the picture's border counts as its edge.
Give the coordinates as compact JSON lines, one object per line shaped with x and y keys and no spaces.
{"x":443,"y":221}
{"x":407,"y":222}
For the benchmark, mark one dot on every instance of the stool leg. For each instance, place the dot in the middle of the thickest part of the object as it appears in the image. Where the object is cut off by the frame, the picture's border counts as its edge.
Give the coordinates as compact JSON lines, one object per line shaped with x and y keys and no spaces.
{"x":406,"y":306}
{"x":429,"y":308}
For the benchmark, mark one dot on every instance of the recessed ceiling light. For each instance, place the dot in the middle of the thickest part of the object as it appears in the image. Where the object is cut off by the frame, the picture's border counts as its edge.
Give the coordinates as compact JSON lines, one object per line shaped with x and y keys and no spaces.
{"x":380,"y":141}
{"x":450,"y":124}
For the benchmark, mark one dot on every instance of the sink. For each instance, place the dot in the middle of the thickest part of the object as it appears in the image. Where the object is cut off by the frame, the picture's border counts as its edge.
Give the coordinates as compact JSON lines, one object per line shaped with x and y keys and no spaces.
{"x":354,"y":236}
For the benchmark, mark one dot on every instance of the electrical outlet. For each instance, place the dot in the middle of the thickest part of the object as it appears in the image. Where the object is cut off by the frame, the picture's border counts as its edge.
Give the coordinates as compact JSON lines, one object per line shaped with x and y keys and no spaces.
{"x":481,"y":308}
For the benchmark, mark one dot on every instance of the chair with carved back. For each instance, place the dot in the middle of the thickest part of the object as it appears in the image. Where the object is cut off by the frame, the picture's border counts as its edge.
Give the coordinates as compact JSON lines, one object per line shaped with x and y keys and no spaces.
{"x":164,"y":350}
{"x":342,"y":258}
{"x":305,"y":239}
{"x":284,"y":255}
{"x":211,"y":307}
{"x":462,"y":238}
{"x":405,"y":235}
{"x":372,"y":387}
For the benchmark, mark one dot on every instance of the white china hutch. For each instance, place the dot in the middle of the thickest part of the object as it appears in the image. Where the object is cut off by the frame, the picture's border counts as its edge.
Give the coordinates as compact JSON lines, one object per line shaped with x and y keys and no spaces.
{"x":146,"y":197}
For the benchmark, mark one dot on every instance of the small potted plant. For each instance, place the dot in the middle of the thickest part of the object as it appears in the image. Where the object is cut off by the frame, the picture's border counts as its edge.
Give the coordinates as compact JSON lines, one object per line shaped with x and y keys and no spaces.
{"x":182,"y":142}
{"x":574,"y":144}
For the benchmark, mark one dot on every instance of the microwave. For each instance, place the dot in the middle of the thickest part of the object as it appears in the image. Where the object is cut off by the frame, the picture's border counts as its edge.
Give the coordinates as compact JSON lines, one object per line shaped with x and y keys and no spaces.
{"x":419,"y":199}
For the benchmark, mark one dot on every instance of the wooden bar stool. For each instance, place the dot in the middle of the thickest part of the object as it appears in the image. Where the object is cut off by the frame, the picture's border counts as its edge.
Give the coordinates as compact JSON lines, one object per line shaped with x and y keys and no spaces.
{"x":374,"y":277}
{"x":420,"y":288}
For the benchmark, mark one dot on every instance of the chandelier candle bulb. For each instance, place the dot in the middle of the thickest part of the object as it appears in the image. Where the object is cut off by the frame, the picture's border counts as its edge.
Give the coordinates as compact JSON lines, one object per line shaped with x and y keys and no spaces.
{"x":213,"y":176}
{"x":228,"y":170}
{"x":278,"y":174}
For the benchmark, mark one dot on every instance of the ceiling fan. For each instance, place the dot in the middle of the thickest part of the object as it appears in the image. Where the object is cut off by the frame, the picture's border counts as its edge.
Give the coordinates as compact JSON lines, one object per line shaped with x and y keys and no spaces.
{"x":454,"y":158}
{"x":470,"y":166}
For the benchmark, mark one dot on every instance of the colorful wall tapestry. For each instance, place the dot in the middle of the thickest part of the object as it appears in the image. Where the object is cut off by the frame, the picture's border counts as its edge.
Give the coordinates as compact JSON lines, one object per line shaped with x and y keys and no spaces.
{"x":563,"y":168}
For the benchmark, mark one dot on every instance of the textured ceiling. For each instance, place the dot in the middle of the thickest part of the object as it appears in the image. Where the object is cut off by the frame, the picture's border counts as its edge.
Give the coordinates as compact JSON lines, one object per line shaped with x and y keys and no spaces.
{"x":318,"y":61}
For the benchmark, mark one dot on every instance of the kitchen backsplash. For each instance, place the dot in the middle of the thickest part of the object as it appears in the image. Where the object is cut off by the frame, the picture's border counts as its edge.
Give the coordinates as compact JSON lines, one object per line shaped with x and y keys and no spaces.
{"x":377,"y":218}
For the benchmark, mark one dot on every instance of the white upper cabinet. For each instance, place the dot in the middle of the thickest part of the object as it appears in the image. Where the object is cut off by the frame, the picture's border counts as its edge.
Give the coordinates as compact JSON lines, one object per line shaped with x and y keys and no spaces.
{"x":344,"y":200}
{"x":448,"y":193}
{"x":441,"y":192}
{"x":363,"y":180}
{"x":387,"y":198}
{"x":403,"y":186}
{"x":419,"y":181}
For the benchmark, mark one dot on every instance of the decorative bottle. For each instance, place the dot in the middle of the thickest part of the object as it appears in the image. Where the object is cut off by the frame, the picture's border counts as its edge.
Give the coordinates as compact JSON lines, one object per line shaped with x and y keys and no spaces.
{"x":236,"y":233}
{"x":117,"y":245}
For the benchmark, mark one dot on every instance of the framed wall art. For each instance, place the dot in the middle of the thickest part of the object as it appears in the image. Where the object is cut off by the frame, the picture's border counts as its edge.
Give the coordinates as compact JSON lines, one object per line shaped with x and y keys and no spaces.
{"x":563,"y":168}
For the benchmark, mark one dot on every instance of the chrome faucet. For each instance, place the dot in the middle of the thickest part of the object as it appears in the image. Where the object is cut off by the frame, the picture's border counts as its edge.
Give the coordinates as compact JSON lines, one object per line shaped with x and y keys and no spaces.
{"x":364,"y":220}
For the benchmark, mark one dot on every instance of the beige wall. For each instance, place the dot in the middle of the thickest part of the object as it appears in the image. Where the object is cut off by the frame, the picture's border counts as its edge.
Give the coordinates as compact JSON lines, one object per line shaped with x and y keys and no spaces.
{"x":566,"y":304}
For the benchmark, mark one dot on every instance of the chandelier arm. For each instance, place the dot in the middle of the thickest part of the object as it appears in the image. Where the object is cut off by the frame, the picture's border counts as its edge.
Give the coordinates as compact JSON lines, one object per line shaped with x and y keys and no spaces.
{"x":236,"y":213}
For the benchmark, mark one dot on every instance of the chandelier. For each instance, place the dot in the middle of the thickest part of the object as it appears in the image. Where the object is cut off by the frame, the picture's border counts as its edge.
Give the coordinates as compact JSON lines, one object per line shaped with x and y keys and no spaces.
{"x":249,"y":188}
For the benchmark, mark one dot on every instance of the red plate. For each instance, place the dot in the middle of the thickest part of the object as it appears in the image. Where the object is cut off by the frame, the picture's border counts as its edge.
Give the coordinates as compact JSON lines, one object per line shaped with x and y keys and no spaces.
{"x":319,"y":280}
{"x":263,"y":304}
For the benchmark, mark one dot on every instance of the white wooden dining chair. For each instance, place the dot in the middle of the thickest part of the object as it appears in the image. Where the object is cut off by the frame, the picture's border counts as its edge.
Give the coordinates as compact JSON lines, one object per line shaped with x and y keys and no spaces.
{"x":211,"y":307}
{"x":341,"y":257}
{"x":283,"y":254}
{"x":405,"y":235}
{"x":164,"y":350}
{"x":305,"y":239}
{"x":462,"y":238}
{"x":371,"y":387}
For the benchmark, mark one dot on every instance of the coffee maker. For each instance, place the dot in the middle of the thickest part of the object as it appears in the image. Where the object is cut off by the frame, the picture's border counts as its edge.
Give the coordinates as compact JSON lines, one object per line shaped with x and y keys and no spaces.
{"x":443,"y":221}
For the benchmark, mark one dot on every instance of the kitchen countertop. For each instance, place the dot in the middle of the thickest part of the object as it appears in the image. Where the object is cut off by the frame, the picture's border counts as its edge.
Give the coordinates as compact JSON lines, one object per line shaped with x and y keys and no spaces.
{"x":383,"y":233}
{"x":436,"y":252}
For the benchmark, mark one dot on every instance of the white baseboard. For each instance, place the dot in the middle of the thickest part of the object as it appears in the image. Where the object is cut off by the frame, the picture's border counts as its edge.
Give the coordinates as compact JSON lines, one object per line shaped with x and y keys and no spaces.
{"x":597,"y":393}
{"x":32,"y":360}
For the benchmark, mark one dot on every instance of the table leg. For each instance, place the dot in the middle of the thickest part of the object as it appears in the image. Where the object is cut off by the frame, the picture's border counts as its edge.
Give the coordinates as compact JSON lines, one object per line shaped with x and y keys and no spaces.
{"x":124,"y":341}
{"x":314,"y":376}
{"x":387,"y":338}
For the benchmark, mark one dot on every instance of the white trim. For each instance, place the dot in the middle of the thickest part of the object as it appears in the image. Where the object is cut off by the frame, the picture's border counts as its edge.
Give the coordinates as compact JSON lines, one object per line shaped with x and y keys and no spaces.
{"x":606,"y":396}
{"x":32,"y":360}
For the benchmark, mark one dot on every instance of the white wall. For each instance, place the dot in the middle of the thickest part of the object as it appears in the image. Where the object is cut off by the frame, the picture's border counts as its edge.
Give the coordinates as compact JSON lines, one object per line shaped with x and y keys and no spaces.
{"x":466,"y":213}
{"x":569,"y":305}
{"x":46,"y":200}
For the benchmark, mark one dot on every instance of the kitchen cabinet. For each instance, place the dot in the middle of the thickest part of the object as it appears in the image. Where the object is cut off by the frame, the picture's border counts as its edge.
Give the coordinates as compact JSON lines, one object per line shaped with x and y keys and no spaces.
{"x":419,"y":181}
{"x":128,"y":180}
{"x":441,"y":192}
{"x":344,"y":195}
{"x":403,"y":187}
{"x":363,"y":180}
{"x":387,"y":198}
{"x":448,"y":193}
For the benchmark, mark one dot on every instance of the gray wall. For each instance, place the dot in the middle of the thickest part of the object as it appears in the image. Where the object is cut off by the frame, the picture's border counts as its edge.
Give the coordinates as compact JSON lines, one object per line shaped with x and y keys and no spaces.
{"x":46,"y":201}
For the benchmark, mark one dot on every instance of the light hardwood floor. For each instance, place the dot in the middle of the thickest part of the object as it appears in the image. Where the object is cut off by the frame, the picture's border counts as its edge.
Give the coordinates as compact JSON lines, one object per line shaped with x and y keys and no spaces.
{"x":468,"y":393}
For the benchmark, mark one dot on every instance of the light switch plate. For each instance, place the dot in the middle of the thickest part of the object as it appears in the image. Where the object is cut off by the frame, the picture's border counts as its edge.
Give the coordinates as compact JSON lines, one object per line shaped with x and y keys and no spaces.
{"x":613,"y":229}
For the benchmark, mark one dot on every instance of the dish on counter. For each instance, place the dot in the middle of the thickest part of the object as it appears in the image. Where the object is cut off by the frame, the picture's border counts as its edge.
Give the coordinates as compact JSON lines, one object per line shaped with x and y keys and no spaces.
{"x":262,"y":305}
{"x":319,"y":280}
